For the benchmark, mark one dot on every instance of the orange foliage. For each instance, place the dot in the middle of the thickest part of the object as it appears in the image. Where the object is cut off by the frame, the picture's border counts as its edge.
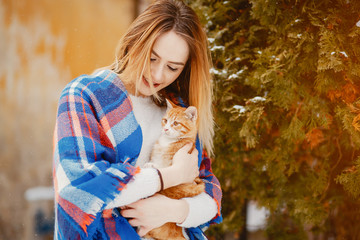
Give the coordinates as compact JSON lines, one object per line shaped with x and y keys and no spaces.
{"x":329,"y":119}
{"x":348,"y":93}
{"x":356,"y":122}
{"x":315,"y":136}
{"x":330,"y":26}
{"x":333,"y":95}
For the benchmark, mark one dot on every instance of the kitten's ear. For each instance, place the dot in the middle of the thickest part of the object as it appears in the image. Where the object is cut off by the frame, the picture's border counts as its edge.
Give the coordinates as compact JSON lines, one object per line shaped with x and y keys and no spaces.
{"x":169,"y":104}
{"x":191,"y":113}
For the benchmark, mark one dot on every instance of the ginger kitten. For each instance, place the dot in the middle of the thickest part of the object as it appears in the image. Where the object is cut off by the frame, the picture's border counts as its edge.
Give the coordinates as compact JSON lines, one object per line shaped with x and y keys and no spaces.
{"x":179,"y":128}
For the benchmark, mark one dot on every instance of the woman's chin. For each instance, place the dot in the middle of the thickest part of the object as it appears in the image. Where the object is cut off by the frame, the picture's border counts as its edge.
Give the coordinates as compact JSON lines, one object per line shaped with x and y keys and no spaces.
{"x":146,"y":91}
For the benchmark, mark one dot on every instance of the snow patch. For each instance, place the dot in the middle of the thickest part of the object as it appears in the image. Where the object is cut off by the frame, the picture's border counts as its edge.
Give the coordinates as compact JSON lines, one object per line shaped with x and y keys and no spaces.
{"x":257,"y":99}
{"x":217,"y":72}
{"x":236,"y":75}
{"x":217,"y":48}
{"x":344,"y":53}
{"x":240,"y":108}
{"x":358,"y":24}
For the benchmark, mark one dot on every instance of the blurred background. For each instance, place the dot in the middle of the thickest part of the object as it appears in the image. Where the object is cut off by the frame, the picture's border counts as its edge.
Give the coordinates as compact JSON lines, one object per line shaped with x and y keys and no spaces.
{"x":44,"y":44}
{"x":286,"y":103}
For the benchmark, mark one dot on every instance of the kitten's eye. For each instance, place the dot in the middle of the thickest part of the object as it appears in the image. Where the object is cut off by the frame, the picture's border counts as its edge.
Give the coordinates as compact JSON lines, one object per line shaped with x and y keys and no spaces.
{"x":164,"y":120}
{"x":176,"y":123}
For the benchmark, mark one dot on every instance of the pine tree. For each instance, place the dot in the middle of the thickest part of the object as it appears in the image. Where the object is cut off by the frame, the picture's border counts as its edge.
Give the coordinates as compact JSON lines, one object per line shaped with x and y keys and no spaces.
{"x":287,"y":107}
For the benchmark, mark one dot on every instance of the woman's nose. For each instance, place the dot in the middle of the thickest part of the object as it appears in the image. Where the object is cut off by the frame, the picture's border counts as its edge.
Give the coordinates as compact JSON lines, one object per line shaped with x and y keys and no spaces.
{"x":157,"y":73}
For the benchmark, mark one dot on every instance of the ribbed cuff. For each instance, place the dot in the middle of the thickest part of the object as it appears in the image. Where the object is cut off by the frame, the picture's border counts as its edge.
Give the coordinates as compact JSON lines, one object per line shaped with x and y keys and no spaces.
{"x":202,"y":208}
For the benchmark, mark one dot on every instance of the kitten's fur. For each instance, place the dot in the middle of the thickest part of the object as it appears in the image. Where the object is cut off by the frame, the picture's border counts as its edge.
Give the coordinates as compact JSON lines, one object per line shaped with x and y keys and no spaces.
{"x":179,"y":129}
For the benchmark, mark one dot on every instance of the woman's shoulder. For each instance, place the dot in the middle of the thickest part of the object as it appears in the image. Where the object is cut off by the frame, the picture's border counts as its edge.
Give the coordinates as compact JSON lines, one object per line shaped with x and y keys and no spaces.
{"x":104,"y":82}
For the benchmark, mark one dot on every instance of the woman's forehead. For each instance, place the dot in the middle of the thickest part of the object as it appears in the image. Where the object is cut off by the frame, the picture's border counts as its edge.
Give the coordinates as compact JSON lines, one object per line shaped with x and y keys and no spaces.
{"x":171,"y":47}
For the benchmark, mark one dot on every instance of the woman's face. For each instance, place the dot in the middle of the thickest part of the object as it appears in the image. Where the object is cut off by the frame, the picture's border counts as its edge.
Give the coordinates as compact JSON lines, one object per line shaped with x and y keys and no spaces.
{"x":168,"y":58}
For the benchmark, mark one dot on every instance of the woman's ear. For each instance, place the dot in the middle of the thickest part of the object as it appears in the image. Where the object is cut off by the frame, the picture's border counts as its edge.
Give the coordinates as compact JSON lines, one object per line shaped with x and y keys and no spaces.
{"x":191,"y":113}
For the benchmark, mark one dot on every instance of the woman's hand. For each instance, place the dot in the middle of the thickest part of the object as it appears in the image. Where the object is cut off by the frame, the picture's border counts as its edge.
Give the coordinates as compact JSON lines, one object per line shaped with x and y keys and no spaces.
{"x":153,"y":212}
{"x":186,"y":164}
{"x":184,"y":168}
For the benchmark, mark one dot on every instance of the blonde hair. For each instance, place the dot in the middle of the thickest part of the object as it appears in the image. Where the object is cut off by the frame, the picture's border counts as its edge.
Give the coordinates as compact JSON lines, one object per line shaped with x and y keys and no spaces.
{"x":194,"y":84}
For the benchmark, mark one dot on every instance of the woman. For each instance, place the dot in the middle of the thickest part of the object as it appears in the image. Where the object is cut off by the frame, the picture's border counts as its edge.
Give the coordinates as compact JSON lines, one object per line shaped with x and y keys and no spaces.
{"x":107,"y":123}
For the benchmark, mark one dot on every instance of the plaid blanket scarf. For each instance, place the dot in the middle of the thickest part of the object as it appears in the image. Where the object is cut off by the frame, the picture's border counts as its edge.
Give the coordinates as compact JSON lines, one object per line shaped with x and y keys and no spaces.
{"x":96,"y":144}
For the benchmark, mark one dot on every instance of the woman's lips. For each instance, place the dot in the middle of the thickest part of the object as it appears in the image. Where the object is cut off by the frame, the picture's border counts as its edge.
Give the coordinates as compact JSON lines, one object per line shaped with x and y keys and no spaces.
{"x":155,"y":85}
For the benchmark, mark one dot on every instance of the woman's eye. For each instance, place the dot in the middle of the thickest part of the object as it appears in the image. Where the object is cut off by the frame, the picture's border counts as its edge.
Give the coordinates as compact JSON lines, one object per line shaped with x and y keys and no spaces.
{"x":172,"y":69}
{"x":152,"y":59}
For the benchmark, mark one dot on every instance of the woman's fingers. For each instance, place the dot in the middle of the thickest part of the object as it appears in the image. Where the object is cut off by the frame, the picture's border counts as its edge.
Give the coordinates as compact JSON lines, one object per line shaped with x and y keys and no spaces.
{"x":134,"y":222}
{"x":132,"y":216}
{"x":152,"y":212}
{"x":129,"y":213}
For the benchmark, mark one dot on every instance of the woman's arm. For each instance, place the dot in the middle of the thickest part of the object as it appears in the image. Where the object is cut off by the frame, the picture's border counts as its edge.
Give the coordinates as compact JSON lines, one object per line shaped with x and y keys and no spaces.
{"x":143,"y":184}
{"x":202,"y":209}
{"x":205,"y":207}
{"x":147,"y":182}
{"x":157,"y":210}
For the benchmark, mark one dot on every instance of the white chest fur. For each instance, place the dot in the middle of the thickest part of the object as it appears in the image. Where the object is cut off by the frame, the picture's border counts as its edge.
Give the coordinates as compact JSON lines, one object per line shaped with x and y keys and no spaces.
{"x":165,"y":141}
{"x":160,"y":149}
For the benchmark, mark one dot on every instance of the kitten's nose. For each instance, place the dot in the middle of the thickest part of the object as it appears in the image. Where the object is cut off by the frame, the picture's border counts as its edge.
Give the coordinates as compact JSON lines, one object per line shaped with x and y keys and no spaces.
{"x":166,"y":129}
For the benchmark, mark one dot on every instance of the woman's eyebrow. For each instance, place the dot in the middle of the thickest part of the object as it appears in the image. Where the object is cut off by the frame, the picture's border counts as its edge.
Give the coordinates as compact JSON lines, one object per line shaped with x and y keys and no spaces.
{"x":176,"y":63}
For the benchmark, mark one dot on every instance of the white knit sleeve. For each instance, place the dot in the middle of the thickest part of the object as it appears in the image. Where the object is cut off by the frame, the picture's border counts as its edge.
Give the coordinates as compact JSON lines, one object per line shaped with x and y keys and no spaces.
{"x":144,"y":184}
{"x":202,"y":208}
